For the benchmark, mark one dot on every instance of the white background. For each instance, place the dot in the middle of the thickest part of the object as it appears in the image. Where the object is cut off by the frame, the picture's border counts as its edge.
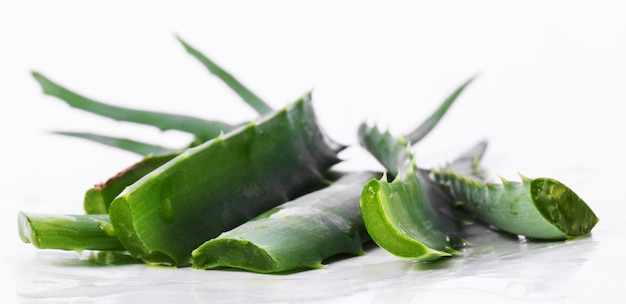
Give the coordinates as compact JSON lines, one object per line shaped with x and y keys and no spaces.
{"x":548,"y":97}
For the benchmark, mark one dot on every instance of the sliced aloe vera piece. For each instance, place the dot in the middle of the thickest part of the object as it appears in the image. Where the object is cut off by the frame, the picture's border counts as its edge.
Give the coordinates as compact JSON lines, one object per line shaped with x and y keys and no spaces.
{"x":298,"y":234}
{"x":222,"y":183}
{"x":203,"y":129}
{"x":250,"y":98}
{"x":409,"y":217}
{"x":68,"y":232}
{"x":538,"y":208}
{"x":98,"y":199}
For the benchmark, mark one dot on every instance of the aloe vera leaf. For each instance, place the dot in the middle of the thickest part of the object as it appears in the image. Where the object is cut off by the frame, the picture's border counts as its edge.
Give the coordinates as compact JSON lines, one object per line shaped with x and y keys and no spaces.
{"x":296,"y":235}
{"x":409,"y":217}
{"x":537,"y":208}
{"x":98,"y":198}
{"x":250,"y":98}
{"x":130,"y":145}
{"x":222,"y":183}
{"x":68,"y":232}
{"x":390,"y":150}
{"x":203,"y":129}
{"x":412,"y":216}
{"x":421,"y":131}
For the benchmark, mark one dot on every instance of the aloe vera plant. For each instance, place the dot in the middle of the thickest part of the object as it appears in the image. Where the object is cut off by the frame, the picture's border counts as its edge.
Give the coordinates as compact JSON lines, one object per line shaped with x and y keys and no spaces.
{"x":408,"y":217}
{"x":301,"y":233}
{"x":222,"y":183}
{"x":298,"y":234}
{"x":262,"y":196}
{"x":537,"y":208}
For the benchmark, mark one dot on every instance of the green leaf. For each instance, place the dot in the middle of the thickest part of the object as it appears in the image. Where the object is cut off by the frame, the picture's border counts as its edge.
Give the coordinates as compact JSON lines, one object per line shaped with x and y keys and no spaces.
{"x":98,"y":199}
{"x":541,"y":208}
{"x":402,"y":219}
{"x":430,"y":123}
{"x":68,"y":232}
{"x":296,"y":235}
{"x":410,"y":217}
{"x":204,"y":129}
{"x":250,"y":98}
{"x":136,"y":147}
{"x":390,"y":151}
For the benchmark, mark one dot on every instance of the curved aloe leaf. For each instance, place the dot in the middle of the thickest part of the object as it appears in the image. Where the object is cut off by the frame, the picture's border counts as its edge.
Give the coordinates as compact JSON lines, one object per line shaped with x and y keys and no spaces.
{"x":68,"y":232}
{"x":541,"y":208}
{"x":98,"y":199}
{"x":409,"y":217}
{"x":130,"y":145}
{"x":222,"y":183}
{"x":203,"y":129}
{"x":298,"y":234}
{"x":250,"y":98}
{"x":390,"y":150}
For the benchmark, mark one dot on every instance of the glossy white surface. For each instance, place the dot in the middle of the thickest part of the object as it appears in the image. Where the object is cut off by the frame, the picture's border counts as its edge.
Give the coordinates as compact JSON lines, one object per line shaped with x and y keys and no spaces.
{"x":549,"y":99}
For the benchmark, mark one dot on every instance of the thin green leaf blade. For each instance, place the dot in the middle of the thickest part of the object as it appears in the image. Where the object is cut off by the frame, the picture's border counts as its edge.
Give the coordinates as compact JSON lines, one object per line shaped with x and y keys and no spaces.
{"x":130,"y":145}
{"x":250,"y":98}
{"x":429,"y":124}
{"x":204,"y":129}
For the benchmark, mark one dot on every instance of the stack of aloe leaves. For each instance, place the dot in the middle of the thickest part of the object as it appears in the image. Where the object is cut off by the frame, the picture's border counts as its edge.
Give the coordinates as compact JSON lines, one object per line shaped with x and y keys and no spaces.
{"x":263,"y":195}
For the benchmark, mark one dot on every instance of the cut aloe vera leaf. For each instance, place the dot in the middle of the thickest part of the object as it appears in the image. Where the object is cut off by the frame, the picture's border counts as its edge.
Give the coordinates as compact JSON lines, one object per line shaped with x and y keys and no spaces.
{"x":222,"y":183}
{"x":296,"y":235}
{"x":98,"y":199}
{"x":412,"y":217}
{"x":390,"y":150}
{"x":537,"y":208}
{"x":130,"y":145}
{"x":68,"y":232}
{"x":250,"y":98}
{"x":401,"y":219}
{"x":203,"y":129}
{"x":409,"y":217}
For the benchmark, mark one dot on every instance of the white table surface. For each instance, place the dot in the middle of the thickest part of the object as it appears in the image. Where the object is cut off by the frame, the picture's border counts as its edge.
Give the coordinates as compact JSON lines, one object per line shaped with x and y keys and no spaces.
{"x":549,"y":98}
